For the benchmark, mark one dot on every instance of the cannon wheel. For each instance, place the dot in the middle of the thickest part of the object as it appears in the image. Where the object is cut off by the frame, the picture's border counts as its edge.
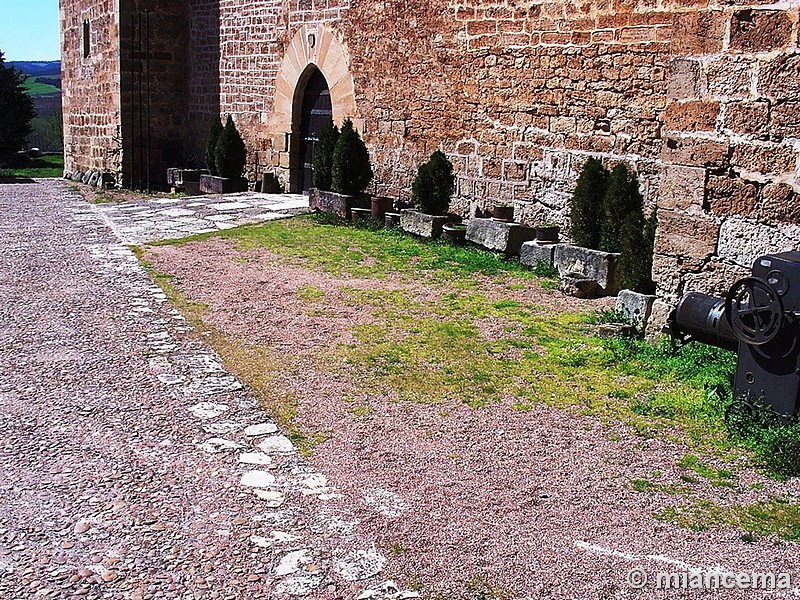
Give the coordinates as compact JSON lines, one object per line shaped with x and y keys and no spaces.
{"x":754,"y":311}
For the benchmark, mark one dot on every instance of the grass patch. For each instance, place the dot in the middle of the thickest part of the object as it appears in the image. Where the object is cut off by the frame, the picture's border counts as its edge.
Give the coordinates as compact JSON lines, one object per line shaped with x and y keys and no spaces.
{"x":321,"y":242}
{"x":47,"y":166}
{"x":37,"y":88}
{"x":777,"y":516}
{"x":717,"y":477}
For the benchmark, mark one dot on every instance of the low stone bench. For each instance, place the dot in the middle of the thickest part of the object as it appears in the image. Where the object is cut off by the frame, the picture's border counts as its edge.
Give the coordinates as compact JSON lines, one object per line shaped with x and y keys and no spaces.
{"x":499,"y":235}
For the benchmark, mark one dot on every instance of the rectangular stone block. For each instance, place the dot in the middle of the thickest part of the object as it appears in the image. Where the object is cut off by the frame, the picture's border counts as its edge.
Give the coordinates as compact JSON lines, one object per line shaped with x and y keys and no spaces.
{"x":422,"y":225}
{"x":683,"y":188}
{"x":747,"y":118}
{"x":636,"y":308}
{"x":499,"y":236}
{"x":681,"y":235}
{"x":695,"y":152}
{"x":332,"y":202}
{"x":699,"y":32}
{"x":694,"y":115}
{"x":760,"y":30}
{"x":592,"y":264}
{"x":532,"y":253}
{"x":764,"y":158}
{"x":211,"y":184}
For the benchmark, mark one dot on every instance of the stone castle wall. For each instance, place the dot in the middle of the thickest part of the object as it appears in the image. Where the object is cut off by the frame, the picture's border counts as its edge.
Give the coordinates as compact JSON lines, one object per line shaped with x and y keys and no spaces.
{"x":701,"y":100}
{"x":90,"y":86}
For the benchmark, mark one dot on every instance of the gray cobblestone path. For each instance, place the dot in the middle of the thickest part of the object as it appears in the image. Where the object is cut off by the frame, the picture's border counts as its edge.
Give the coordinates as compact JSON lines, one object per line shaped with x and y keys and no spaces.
{"x":133,"y":466}
{"x":163,"y":218}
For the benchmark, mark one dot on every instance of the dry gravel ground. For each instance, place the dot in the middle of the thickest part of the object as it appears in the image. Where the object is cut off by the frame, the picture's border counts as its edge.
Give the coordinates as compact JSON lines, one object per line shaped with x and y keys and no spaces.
{"x":113,"y":488}
{"x":131,"y":467}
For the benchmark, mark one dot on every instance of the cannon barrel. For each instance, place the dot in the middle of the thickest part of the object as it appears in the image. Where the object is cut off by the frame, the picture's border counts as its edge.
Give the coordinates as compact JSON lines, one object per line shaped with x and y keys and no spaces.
{"x":701,"y":318}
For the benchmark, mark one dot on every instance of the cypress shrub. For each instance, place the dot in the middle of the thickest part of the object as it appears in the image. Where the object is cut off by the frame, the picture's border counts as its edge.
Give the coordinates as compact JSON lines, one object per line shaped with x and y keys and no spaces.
{"x":230,"y":153}
{"x":621,"y":199}
{"x":350,"y":171}
{"x":633,"y":262}
{"x":211,"y":144}
{"x":586,"y":212}
{"x":433,"y":185}
{"x":322,"y":161}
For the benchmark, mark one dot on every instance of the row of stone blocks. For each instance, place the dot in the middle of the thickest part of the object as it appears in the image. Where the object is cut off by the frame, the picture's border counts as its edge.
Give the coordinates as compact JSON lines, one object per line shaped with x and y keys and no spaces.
{"x":96,"y":179}
{"x":587,"y":273}
{"x":583,"y":272}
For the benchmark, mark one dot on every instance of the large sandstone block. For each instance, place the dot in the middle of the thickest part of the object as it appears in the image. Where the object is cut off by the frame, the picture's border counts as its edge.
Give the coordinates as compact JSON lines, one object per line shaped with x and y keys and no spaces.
{"x":683,"y":188}
{"x":729,"y":76}
{"x":532,"y":253}
{"x":779,"y":202}
{"x":695,"y":152}
{"x":731,"y":195}
{"x":741,"y":241}
{"x":780,"y":78}
{"x":699,"y":32}
{"x":682,"y":235}
{"x":496,"y":235}
{"x":685,"y":79}
{"x":760,"y":30}
{"x":694,"y":115}
{"x":418,"y":223}
{"x":593,"y":264}
{"x":748,"y":118}
{"x":764,"y":158}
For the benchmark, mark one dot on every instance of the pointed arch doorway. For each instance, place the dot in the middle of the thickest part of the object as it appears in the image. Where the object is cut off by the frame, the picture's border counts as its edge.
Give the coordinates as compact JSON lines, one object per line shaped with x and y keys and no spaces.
{"x":314,"y":111}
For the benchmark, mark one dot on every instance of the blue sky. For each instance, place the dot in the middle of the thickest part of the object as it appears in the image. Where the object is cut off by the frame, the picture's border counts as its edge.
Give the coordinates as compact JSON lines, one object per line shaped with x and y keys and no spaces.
{"x":29,"y":30}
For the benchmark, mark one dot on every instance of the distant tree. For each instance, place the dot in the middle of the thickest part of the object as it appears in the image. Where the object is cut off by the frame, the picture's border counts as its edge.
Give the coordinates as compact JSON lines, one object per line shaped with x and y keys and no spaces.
{"x":586,"y":212}
{"x":16,"y":110}
{"x":230,"y":153}
{"x":351,"y":171}
{"x":323,"y":156}
{"x":211,"y":143}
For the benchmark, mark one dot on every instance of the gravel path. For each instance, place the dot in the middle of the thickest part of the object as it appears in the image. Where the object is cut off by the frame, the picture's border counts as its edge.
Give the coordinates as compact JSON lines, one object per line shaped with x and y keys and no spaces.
{"x":133,"y":466}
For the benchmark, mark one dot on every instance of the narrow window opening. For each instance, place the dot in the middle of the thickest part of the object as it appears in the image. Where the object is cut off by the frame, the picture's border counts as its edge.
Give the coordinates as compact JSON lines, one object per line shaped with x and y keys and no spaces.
{"x":86,"y":38}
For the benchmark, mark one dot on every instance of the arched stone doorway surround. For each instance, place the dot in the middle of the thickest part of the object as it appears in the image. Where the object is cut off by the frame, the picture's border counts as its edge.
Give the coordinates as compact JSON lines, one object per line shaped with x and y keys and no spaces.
{"x":312,"y":47}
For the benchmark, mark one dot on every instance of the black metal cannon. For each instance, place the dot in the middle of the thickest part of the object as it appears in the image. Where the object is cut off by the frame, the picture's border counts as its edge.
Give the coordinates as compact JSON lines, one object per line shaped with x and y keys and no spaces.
{"x":758,"y":318}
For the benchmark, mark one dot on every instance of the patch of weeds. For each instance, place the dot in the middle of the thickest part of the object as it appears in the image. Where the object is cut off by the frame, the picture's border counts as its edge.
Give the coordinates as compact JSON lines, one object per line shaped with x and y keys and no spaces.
{"x":651,"y":486}
{"x":310,"y":294}
{"x":608,"y":316}
{"x":103,"y":199}
{"x":397,"y":548}
{"x":545,"y":270}
{"x":776,"y":444}
{"x":717,"y":477}
{"x":778,"y":516}
{"x":479,"y":588}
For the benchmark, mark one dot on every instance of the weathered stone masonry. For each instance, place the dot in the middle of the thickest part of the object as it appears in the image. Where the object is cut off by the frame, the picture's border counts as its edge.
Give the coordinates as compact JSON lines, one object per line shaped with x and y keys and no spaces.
{"x":701,"y":99}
